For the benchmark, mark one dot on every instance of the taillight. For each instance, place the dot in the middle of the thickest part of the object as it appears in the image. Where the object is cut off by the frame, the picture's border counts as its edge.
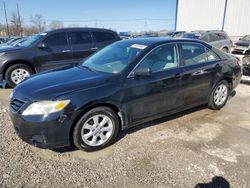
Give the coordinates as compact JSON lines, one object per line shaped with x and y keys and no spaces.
{"x":239,"y":63}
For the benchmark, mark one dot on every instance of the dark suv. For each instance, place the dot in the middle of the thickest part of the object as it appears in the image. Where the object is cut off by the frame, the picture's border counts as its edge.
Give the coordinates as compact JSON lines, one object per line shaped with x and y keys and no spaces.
{"x":218,"y":39}
{"x":51,"y":49}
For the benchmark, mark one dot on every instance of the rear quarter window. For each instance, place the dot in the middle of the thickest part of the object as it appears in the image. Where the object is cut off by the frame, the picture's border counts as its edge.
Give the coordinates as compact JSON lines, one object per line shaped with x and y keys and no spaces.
{"x":103,"y":36}
{"x":213,"y":37}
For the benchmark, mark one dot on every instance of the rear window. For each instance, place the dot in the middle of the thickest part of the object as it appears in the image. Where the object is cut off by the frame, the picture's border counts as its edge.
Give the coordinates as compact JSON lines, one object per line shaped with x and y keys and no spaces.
{"x":103,"y":36}
{"x":222,"y":36}
{"x":214,"y":37}
{"x":80,"y":37}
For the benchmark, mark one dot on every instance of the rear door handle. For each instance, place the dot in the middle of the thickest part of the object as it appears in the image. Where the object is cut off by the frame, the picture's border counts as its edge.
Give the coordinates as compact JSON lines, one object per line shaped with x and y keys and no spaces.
{"x":177,"y":76}
{"x":65,"y":51}
{"x":94,"y":49}
{"x":199,"y":72}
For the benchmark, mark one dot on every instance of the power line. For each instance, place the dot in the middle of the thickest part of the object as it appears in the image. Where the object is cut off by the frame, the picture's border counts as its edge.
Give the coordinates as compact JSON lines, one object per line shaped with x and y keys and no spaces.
{"x":108,"y":20}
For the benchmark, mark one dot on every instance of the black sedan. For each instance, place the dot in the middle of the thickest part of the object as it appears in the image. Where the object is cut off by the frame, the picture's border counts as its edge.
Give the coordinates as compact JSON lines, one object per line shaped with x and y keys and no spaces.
{"x":125,"y":84}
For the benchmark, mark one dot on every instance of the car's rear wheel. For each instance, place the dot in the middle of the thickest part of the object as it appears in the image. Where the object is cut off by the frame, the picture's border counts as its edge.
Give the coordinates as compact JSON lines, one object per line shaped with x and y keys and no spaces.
{"x":15,"y":74}
{"x":96,"y":129}
{"x":219,"y":95}
{"x":225,"y":50}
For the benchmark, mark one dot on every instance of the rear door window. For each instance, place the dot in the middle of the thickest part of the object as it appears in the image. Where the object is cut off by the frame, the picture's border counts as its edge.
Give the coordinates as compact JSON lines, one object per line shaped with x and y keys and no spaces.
{"x":57,"y":40}
{"x":80,"y":37}
{"x":197,"y":53}
{"x":103,"y":36}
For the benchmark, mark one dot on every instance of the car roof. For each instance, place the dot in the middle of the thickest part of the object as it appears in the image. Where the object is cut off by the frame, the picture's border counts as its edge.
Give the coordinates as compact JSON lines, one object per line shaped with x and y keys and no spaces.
{"x":158,"y":40}
{"x":79,"y":29}
{"x":206,"y":31}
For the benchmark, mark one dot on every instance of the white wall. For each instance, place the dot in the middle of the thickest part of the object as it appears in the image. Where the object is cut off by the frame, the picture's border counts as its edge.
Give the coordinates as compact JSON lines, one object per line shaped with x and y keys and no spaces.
{"x":200,"y":14}
{"x":237,"y":22}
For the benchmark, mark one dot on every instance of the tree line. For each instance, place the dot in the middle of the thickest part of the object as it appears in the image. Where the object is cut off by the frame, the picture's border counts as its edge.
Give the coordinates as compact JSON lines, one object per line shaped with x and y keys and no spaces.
{"x":17,"y":27}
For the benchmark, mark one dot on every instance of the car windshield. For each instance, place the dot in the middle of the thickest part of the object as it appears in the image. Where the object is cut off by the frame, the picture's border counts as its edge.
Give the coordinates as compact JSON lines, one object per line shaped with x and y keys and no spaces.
{"x":191,"y":35}
{"x":114,"y":58}
{"x":29,"y":41}
{"x":247,"y":37}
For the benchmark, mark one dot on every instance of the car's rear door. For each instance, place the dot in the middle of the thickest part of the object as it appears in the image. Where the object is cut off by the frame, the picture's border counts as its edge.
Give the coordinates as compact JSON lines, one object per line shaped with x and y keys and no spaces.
{"x":201,"y":66}
{"x":57,"y":53}
{"x":103,"y":38}
{"x":159,"y":92}
{"x":81,"y":44}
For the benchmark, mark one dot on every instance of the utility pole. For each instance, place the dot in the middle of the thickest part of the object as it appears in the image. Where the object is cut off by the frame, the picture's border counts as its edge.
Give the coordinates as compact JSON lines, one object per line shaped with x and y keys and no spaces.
{"x":19,"y":20}
{"x":6,"y":19}
{"x":145,"y":25}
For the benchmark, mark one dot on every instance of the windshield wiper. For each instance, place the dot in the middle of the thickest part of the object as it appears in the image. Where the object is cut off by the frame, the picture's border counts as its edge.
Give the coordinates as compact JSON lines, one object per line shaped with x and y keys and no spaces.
{"x":86,"y":67}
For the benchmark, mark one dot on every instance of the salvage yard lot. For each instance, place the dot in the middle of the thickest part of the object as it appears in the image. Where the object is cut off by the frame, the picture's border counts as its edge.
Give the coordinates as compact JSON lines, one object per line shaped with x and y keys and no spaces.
{"x":181,"y":150}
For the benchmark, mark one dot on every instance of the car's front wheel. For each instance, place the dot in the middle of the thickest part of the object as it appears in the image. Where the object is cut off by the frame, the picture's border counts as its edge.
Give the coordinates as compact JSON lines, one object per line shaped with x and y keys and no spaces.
{"x":96,"y":129}
{"x":15,"y":74}
{"x":219,"y":95}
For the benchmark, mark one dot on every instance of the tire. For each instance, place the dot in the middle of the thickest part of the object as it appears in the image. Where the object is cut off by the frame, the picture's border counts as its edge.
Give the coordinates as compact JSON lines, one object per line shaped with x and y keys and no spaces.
{"x":219,"y":95}
{"x":225,"y":50}
{"x":87,"y":131}
{"x":15,"y":74}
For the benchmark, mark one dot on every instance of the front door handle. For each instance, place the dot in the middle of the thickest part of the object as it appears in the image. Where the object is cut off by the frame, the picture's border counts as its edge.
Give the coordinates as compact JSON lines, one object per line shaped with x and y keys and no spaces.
{"x":177,"y":76}
{"x":94,"y":49}
{"x":65,"y":51}
{"x":199,"y":72}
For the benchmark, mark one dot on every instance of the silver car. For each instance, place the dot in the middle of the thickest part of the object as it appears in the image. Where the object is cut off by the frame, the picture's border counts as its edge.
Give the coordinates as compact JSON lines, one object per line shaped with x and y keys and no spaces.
{"x":218,"y":39}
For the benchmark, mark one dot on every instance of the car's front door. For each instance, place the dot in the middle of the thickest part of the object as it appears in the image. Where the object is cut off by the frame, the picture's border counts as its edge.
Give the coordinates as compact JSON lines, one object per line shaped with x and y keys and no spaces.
{"x":55,"y":51}
{"x":200,"y":70}
{"x":158,"y":92}
{"x":82,"y":44}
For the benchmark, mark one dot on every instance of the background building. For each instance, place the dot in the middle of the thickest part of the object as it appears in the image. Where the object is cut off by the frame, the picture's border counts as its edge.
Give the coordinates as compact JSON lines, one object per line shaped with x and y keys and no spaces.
{"x":232,"y":16}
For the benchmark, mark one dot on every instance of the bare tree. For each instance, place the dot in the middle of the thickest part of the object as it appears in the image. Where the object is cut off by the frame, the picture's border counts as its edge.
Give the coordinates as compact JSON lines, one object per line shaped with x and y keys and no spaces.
{"x":74,"y":25}
{"x":38,"y":22}
{"x":56,"y":24}
{"x":15,"y":24}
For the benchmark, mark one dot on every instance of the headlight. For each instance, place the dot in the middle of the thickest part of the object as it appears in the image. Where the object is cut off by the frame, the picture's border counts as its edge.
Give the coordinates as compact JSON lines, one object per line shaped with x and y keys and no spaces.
{"x":11,"y":95}
{"x":45,"y":107}
{"x":1,"y":54}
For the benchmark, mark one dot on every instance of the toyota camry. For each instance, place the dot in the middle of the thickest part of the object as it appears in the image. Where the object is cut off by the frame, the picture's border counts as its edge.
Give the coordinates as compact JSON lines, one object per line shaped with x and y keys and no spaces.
{"x":125,"y":84}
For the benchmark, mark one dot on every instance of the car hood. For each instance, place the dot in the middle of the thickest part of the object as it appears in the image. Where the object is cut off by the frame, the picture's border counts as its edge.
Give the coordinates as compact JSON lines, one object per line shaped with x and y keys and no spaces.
{"x":52,"y":84}
{"x":9,"y":49}
{"x":243,"y":43}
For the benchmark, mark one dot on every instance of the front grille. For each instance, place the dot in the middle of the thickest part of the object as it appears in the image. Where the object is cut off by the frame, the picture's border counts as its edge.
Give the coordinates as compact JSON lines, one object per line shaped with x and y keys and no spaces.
{"x":16,"y":105}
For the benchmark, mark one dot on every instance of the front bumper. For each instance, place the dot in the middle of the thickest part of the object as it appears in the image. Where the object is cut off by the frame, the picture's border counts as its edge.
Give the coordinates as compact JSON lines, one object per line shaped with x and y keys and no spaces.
{"x":50,"y":132}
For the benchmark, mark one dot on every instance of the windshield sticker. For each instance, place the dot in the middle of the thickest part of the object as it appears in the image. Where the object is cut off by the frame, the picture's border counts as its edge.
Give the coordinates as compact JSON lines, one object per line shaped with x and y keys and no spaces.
{"x":43,"y":34}
{"x":139,"y":46}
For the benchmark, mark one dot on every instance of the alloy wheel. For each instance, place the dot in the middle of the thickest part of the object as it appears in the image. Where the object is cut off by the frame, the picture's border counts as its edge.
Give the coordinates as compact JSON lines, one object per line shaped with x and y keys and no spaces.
{"x":18,"y":75}
{"x":97,"y":130}
{"x":220,"y":94}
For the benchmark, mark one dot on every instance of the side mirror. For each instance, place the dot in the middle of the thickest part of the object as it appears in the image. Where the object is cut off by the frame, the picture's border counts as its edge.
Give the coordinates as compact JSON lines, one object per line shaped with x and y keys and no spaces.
{"x":240,"y":38}
{"x":42,"y":45}
{"x":142,"y":72}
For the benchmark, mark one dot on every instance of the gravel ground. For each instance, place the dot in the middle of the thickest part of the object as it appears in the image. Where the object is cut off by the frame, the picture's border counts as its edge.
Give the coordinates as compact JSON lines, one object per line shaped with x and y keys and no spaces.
{"x":183,"y":150}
